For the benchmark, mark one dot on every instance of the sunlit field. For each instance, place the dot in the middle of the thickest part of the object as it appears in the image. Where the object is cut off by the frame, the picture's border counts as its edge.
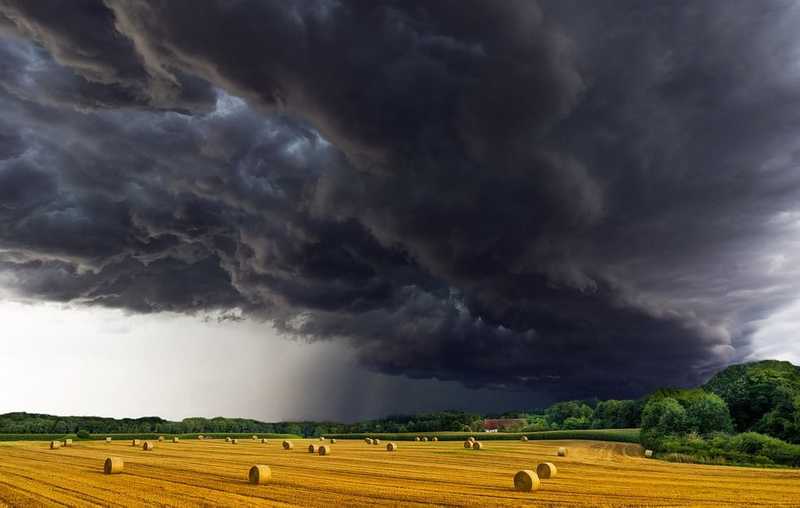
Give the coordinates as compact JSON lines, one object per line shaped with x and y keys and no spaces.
{"x":213,"y":472}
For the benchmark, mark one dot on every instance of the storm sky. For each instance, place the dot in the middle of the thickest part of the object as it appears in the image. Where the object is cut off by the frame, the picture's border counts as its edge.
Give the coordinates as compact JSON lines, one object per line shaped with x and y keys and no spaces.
{"x":458,"y":204}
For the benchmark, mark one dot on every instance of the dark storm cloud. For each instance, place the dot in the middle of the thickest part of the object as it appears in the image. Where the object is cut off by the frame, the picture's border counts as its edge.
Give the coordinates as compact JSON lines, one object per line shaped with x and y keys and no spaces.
{"x":98,"y":66}
{"x":580,"y":199}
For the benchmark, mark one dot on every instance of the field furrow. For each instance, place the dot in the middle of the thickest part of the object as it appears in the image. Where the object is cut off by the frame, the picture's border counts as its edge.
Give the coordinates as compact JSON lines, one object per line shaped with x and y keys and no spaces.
{"x":213,"y":473}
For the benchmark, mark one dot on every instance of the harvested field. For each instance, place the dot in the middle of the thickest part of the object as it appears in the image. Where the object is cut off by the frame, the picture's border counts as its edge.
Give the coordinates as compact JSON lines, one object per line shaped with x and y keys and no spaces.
{"x":442,"y":473}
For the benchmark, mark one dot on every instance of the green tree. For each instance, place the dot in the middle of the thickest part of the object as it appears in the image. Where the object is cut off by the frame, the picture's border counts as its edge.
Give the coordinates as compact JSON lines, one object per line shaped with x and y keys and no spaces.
{"x":557,"y":413}
{"x":662,"y":417}
{"x":783,"y":421}
{"x":573,"y":422}
{"x":616,"y":414}
{"x":708,"y":414}
{"x":536,"y":423}
{"x":752,"y":390}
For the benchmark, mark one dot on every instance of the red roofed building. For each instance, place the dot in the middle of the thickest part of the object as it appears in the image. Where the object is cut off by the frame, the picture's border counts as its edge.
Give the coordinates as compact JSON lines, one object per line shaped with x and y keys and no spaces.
{"x":496,"y":424}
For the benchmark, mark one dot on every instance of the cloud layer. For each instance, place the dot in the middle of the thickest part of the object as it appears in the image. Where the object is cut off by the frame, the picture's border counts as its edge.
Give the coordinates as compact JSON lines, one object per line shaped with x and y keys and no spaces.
{"x":582,"y":200}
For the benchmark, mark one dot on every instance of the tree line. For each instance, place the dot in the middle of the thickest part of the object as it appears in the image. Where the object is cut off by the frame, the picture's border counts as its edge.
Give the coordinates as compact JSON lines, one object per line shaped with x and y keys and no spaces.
{"x":566,"y":415}
{"x":30,"y":423}
{"x":746,"y":413}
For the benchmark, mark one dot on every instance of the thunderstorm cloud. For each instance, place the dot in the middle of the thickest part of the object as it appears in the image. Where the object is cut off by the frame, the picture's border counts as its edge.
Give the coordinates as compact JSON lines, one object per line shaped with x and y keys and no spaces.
{"x":582,"y":198}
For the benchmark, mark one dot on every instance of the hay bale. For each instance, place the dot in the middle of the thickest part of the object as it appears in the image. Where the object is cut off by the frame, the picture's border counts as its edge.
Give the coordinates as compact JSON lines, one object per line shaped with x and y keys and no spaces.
{"x":136,"y":442}
{"x":259,"y":474}
{"x":425,"y":438}
{"x":376,"y":441}
{"x":523,"y":438}
{"x":470,"y":438}
{"x":234,"y":441}
{"x":263,"y":440}
{"x":108,"y":440}
{"x":526,"y":481}
{"x":288,"y":445}
{"x":322,"y":438}
{"x":201,"y":437}
{"x":546,"y":470}
{"x":148,"y":446}
{"x":468,"y":444}
{"x":417,"y":438}
{"x":325,"y":450}
{"x":160,"y":438}
{"x":476,"y":445}
{"x":391,"y":447}
{"x":312,"y":448}
{"x":648,"y":453}
{"x":255,"y":438}
{"x":55,"y":445}
{"x":227,"y":439}
{"x":113,"y":465}
{"x":562,"y":452}
{"x":67,"y":442}
{"x":368,"y":440}
{"x":333,"y":441}
{"x":176,"y":439}
{"x":434,"y":439}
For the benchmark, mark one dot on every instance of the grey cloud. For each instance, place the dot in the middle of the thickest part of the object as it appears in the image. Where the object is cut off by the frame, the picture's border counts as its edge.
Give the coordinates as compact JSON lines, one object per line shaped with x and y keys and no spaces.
{"x":90,"y":64}
{"x":579,"y":199}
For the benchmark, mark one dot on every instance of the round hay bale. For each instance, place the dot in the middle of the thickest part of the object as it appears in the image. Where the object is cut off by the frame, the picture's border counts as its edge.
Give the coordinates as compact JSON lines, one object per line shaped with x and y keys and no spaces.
{"x":160,"y":438}
{"x":470,"y":438}
{"x":546,"y":470}
{"x":234,"y":441}
{"x":176,"y":439}
{"x":376,"y":441}
{"x":562,"y":452}
{"x":467,"y":444}
{"x":523,"y":438}
{"x":55,"y":445}
{"x":322,"y":438}
{"x":288,"y":445}
{"x":417,"y":438}
{"x":434,"y":439}
{"x":325,"y":450}
{"x":263,"y":440}
{"x":136,"y":442}
{"x":113,"y":465}
{"x":108,"y":440}
{"x":148,"y":446}
{"x":648,"y":453}
{"x":255,"y":438}
{"x":312,"y":448}
{"x":477,"y":445}
{"x":368,"y":440}
{"x":259,"y":474}
{"x":201,"y":437}
{"x":425,"y":438}
{"x":227,"y":439}
{"x":391,"y":447}
{"x":526,"y":481}
{"x":67,"y":442}
{"x":333,"y":441}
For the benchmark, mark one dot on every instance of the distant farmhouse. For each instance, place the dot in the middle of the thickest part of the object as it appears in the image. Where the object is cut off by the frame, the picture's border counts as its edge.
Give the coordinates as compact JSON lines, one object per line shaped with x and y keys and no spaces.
{"x":498,"y":424}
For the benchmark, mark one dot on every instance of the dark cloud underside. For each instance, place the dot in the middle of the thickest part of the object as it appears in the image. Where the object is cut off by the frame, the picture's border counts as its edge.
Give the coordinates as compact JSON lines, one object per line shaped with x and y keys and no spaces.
{"x":572,"y":198}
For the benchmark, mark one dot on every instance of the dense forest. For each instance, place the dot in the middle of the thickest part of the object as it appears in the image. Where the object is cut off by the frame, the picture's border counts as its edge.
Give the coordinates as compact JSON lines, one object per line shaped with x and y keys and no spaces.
{"x":747,"y":413}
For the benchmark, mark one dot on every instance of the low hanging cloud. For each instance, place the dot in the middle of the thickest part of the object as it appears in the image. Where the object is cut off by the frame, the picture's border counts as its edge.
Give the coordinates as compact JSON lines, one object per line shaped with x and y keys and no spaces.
{"x":574,"y":199}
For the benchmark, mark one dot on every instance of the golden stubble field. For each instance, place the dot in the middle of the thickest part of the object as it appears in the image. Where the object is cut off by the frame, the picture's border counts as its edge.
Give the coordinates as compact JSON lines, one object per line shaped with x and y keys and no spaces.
{"x":214,"y":473}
